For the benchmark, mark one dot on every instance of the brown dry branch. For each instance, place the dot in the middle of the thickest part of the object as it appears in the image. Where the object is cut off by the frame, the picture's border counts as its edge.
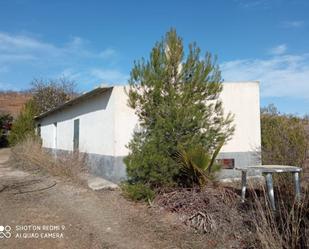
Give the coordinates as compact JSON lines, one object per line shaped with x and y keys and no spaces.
{"x":203,"y":222}
{"x":207,"y":209}
{"x":36,"y":190}
{"x":218,"y":212}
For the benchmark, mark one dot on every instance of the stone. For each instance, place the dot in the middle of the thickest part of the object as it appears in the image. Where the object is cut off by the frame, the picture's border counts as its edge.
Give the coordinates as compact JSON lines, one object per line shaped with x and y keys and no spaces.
{"x":98,"y":183}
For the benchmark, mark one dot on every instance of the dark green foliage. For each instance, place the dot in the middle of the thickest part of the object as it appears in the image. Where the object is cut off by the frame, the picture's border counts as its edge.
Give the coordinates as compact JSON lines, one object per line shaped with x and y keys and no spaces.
{"x":138,"y":192}
{"x":176,"y":100}
{"x":5,"y":120}
{"x":5,"y":125}
{"x":284,"y":138}
{"x":196,"y":165}
{"x":24,"y":124}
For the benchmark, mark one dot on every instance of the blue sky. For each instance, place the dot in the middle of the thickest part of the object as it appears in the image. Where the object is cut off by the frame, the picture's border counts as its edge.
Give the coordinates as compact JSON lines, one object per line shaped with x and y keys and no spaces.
{"x":94,"y":42}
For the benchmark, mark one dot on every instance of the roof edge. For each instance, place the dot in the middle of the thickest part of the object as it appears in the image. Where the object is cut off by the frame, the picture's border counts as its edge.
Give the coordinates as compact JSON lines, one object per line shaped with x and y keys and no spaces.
{"x":71,"y":102}
{"x":102,"y":89}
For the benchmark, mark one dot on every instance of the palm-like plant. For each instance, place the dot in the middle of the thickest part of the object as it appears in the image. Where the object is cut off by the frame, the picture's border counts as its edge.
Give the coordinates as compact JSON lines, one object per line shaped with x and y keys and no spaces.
{"x":197,"y":165}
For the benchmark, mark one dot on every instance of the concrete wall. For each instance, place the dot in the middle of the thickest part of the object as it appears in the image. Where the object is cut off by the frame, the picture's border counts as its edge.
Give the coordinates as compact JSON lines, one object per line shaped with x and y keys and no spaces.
{"x":107,"y":125}
{"x":243,"y":100}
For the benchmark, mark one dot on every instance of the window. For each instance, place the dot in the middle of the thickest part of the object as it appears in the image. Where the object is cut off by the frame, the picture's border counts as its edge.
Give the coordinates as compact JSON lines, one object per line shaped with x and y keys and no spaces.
{"x":227,"y":163}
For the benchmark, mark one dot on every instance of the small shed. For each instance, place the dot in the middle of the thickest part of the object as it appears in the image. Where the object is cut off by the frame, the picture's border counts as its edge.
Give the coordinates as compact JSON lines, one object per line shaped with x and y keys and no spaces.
{"x":100,"y":123}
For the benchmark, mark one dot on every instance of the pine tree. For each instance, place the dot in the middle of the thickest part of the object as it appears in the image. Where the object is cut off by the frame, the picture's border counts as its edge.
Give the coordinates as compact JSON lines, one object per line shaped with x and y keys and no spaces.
{"x":176,"y":101}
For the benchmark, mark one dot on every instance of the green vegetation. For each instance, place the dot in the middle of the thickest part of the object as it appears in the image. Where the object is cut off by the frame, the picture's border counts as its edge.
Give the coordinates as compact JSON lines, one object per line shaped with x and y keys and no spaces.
{"x":138,"y":192}
{"x":24,"y":125}
{"x":5,"y":124}
{"x":285,"y":142}
{"x":46,"y":95}
{"x":196,"y":166}
{"x":284,"y":138}
{"x":176,"y":100}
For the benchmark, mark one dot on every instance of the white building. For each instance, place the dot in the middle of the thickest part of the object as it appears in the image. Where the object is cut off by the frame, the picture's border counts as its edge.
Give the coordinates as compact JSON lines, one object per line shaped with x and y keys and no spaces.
{"x":101,"y":124}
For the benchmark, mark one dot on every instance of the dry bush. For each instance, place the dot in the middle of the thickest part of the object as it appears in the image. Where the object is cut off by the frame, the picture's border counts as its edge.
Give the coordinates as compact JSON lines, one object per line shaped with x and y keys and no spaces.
{"x":288,"y":226}
{"x":29,"y":155}
{"x":213,"y":210}
{"x":48,"y":94}
{"x":218,"y":212}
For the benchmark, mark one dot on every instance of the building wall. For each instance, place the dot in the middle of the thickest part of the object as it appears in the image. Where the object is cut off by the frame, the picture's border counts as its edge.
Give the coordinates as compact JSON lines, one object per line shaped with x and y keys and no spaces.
{"x":107,"y":124}
{"x":96,"y":133}
{"x":125,"y":121}
{"x":242,"y":99}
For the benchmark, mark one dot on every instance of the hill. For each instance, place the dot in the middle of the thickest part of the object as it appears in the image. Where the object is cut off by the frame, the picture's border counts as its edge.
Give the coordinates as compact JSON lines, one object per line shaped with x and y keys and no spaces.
{"x":12,"y":102}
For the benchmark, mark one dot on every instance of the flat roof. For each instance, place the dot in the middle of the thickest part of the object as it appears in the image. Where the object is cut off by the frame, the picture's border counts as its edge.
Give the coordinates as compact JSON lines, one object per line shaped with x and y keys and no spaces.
{"x":74,"y":101}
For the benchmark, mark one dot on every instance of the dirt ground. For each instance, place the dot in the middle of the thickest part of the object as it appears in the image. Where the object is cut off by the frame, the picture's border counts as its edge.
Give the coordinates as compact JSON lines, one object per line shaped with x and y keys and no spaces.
{"x":45,"y":212}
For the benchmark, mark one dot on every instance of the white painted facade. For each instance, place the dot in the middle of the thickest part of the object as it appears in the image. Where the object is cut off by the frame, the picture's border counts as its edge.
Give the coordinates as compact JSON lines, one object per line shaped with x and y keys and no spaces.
{"x":106,"y":123}
{"x":243,"y":100}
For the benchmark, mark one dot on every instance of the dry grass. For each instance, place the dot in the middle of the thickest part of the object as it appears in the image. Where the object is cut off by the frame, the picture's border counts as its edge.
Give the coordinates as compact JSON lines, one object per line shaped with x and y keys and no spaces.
{"x":286,"y":228}
{"x":218,"y":212}
{"x":29,"y":155}
{"x":214,"y":210}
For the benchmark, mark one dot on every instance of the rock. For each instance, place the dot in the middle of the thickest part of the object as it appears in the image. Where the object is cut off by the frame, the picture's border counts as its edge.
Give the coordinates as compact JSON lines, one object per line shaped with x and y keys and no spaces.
{"x":98,"y":183}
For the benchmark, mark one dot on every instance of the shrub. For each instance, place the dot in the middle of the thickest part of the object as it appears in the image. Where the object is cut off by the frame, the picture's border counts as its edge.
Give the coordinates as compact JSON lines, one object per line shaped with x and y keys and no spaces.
{"x":177,"y":103}
{"x":29,"y":155}
{"x":24,"y":125}
{"x":284,"y":138}
{"x":5,"y":126}
{"x":196,"y":165}
{"x":138,"y":192}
